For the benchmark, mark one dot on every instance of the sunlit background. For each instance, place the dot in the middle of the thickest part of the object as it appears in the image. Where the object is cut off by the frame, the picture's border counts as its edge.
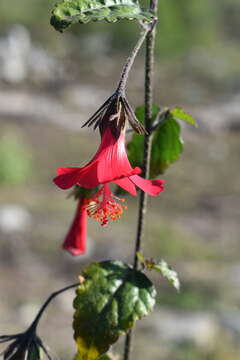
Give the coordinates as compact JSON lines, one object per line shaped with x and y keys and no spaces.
{"x":49,"y":84}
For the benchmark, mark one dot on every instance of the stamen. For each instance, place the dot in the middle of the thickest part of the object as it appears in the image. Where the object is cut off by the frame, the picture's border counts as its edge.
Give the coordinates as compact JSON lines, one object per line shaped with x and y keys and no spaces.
{"x":103,"y":206}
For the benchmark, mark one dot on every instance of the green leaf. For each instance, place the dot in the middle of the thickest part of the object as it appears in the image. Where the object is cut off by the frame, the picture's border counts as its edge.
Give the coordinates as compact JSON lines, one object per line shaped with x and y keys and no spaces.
{"x":105,"y":357}
{"x":135,"y":150}
{"x":108,"y":356}
{"x":162,"y":267}
{"x":167,"y":144}
{"x":167,"y":272}
{"x":180,"y":114}
{"x":69,"y":12}
{"x":108,"y":303}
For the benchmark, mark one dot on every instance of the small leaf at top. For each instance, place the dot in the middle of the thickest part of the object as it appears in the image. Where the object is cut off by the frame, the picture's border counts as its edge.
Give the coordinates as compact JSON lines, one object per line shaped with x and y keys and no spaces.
{"x":108,"y":303}
{"x":69,"y":12}
{"x":162,"y":267}
{"x":180,"y":114}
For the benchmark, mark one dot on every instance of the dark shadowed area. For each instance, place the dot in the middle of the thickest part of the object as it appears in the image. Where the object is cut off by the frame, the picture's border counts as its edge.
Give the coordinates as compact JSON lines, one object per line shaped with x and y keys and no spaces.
{"x":50,"y":83}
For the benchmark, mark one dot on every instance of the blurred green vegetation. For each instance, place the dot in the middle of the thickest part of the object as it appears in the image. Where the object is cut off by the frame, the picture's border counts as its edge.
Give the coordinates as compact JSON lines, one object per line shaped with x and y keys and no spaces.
{"x":176,"y":243}
{"x":15,"y":160}
{"x":192,"y":297}
{"x":183,"y":24}
{"x":187,"y":351}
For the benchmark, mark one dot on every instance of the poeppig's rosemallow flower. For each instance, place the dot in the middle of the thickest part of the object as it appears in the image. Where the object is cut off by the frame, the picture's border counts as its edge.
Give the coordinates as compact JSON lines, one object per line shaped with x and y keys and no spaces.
{"x":75,"y":240}
{"x":109,"y":165}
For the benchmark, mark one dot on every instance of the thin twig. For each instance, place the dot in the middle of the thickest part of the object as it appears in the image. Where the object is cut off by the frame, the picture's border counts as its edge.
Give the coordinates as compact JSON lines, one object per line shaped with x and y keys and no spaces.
{"x":49,"y":299}
{"x":127,"y":67}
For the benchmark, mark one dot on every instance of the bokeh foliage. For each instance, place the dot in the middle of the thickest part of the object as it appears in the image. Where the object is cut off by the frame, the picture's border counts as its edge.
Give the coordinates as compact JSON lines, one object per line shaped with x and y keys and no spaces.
{"x":15,"y":159}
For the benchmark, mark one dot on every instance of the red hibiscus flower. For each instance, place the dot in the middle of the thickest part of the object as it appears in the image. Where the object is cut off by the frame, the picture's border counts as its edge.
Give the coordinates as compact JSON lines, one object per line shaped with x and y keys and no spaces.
{"x":109,"y":164}
{"x":75,"y":241}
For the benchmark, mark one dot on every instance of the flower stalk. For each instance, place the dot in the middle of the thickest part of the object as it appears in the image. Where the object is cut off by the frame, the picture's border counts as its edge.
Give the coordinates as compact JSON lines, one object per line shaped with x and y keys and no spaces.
{"x":117,"y":107}
{"x":128,"y":65}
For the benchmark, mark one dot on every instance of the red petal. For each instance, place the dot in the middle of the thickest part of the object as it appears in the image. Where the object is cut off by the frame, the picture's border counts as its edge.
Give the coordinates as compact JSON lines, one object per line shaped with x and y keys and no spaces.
{"x":67,"y":178}
{"x":108,"y":164}
{"x":66,"y":170}
{"x":151,"y":187}
{"x":85,"y":176}
{"x":75,"y":241}
{"x":112,"y":158}
{"x":127,"y":185}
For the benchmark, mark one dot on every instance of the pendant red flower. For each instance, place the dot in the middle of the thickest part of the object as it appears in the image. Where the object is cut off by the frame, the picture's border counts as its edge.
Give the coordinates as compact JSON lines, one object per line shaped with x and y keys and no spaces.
{"x":75,"y":240}
{"x":109,"y":164}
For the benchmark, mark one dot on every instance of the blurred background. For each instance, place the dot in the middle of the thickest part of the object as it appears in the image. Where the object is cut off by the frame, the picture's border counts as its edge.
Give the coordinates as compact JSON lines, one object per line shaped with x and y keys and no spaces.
{"x":49,"y":84}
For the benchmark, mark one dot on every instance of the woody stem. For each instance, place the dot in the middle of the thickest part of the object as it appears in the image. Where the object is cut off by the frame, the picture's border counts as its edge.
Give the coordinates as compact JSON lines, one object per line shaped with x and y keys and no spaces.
{"x":149,"y":69}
